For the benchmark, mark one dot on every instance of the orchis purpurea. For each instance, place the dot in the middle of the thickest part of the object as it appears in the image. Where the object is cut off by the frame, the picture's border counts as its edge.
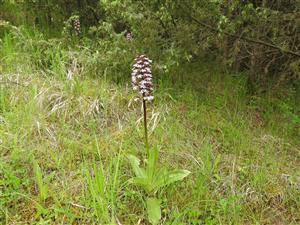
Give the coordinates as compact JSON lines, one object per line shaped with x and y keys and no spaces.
{"x":129,"y":36}
{"x":152,"y":178}
{"x":76,"y":25}
{"x":141,"y":78}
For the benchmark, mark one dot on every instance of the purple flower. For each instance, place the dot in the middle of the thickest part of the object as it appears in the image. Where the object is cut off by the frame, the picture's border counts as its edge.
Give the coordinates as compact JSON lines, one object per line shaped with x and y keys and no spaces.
{"x":129,"y":36}
{"x":142,"y":77}
{"x":76,"y":25}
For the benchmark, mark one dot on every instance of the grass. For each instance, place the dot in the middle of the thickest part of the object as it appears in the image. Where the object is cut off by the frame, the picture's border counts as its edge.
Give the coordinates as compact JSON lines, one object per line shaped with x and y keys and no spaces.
{"x":63,"y":146}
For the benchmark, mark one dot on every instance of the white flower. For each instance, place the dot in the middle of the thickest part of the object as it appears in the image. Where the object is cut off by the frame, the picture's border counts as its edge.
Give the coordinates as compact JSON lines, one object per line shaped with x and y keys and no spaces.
{"x":137,"y":66}
{"x":148,"y":98}
{"x":129,"y":36}
{"x":144,"y":91}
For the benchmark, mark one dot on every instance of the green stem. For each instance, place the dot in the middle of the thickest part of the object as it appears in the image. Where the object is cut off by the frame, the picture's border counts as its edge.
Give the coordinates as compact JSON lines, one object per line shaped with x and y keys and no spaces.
{"x":145,"y":127}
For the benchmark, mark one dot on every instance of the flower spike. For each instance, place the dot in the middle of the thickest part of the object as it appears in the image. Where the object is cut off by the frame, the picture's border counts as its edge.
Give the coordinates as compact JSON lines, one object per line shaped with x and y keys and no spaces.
{"x":142,"y":77}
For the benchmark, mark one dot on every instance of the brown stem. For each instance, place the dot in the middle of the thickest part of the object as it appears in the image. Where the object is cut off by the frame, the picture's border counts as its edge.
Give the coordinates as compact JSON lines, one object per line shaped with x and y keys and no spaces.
{"x":145,"y":126}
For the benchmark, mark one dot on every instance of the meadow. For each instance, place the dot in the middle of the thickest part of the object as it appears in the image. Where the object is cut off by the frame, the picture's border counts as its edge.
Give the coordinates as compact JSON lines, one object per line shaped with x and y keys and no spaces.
{"x":68,"y":127}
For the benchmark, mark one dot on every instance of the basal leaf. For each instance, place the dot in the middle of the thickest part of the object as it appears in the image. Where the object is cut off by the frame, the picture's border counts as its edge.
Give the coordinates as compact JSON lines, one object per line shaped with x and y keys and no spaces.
{"x":153,"y":210}
{"x":165,"y":177}
{"x":176,"y":175}
{"x":135,"y":164}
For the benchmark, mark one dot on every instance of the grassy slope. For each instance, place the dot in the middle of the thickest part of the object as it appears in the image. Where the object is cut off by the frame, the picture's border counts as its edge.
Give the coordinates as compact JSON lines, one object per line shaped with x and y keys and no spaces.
{"x":63,"y":145}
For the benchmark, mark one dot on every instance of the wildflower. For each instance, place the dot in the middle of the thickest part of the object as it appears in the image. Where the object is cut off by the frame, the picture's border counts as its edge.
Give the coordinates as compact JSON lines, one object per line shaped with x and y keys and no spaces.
{"x":76,"y":25}
{"x":141,"y":77}
{"x":129,"y":36}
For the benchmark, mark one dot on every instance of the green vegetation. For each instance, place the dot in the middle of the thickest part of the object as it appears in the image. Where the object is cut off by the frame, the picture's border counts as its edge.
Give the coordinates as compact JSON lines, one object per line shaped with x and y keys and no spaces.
{"x":71,"y":133}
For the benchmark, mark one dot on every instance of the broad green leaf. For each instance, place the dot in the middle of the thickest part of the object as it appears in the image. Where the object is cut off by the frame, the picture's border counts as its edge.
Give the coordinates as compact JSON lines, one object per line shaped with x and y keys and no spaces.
{"x":165,"y":177}
{"x":154,"y":178}
{"x":135,"y":163}
{"x":153,"y":210}
{"x":176,"y":175}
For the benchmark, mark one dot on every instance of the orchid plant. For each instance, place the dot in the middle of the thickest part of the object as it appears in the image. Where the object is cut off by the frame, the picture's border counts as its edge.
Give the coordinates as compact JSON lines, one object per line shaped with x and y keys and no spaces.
{"x":141,"y":79}
{"x":151,"y":178}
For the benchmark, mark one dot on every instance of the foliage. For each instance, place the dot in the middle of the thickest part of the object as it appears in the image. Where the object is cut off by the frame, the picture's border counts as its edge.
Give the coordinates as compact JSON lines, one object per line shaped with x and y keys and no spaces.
{"x":153,"y":210}
{"x":153,"y":178}
{"x":255,"y":36}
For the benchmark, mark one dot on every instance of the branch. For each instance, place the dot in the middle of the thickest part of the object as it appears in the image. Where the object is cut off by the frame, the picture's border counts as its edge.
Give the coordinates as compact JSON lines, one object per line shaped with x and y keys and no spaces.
{"x":246,"y":38}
